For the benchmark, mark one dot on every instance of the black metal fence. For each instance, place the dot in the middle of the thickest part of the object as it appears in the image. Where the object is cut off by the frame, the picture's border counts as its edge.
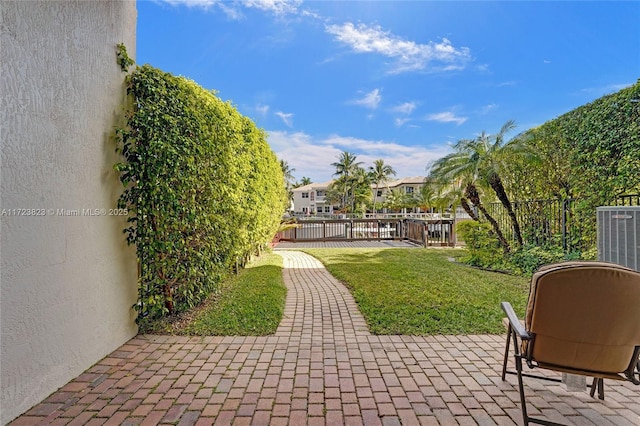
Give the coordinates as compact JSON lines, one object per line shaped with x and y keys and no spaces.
{"x":434,"y":232}
{"x":569,"y":224}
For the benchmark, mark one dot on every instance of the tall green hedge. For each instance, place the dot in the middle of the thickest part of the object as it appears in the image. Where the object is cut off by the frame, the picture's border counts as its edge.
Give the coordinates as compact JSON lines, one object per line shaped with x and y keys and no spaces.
{"x":591,"y":153}
{"x":202,"y":186}
{"x":603,"y":139}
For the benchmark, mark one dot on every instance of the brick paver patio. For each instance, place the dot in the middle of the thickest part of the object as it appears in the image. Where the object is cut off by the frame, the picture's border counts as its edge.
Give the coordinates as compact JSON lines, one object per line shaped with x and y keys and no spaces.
{"x":322,"y":367}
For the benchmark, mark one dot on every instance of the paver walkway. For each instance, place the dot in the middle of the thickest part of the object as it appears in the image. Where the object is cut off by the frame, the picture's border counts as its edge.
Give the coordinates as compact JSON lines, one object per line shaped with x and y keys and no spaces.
{"x":321,"y":367}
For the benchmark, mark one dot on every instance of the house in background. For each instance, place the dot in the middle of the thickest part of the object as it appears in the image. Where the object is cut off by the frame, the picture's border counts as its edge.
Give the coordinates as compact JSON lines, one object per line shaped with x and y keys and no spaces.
{"x":408,"y":186}
{"x":310,"y":199}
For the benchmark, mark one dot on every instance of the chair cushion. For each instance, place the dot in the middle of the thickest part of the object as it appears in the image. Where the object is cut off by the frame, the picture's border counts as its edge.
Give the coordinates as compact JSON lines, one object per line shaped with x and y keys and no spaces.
{"x":584,"y":315}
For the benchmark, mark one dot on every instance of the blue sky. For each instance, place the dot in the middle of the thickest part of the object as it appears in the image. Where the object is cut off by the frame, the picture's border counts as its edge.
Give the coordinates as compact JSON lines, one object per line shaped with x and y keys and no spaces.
{"x":401,"y":81}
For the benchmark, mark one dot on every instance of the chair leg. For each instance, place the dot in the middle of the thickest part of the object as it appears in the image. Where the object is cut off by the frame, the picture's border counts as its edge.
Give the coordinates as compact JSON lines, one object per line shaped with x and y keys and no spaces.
{"x":506,"y":353}
{"x":518,"y":362}
{"x":523,"y":403}
{"x":601,"y":389}
{"x":599,"y":384}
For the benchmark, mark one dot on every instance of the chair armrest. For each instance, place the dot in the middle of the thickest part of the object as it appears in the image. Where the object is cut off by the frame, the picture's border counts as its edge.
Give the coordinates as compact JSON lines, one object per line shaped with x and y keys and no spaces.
{"x":514,"y":322}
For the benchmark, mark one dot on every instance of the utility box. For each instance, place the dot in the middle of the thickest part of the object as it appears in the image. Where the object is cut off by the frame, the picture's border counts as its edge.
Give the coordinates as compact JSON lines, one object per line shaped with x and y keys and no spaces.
{"x":619,"y":235}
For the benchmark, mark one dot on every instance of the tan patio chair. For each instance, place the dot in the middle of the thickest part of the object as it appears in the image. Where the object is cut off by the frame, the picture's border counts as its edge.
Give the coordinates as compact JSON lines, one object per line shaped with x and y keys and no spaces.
{"x":582,"y":318}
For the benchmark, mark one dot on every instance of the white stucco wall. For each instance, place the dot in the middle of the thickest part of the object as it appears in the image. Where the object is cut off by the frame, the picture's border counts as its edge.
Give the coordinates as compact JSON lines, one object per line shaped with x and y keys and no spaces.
{"x":67,"y":282}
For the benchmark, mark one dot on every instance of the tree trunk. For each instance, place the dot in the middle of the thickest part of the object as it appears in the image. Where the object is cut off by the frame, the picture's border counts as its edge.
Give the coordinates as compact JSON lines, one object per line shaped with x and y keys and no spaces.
{"x":375,"y":197}
{"x":498,"y":188}
{"x":467,"y":208}
{"x":472,"y":193}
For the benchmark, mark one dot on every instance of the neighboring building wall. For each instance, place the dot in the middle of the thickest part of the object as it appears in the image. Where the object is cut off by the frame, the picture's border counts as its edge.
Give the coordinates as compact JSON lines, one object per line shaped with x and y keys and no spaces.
{"x":310,"y":199}
{"x":409,"y":185}
{"x":68,"y":283}
{"x":300,"y":204}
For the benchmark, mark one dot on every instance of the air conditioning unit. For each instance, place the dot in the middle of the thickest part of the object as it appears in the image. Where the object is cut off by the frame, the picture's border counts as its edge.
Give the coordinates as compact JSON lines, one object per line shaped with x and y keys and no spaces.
{"x":619,"y":235}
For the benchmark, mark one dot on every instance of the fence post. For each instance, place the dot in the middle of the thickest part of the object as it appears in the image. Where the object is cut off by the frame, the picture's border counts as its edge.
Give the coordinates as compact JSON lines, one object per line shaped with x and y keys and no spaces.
{"x":452,"y":234}
{"x":564,"y":225}
{"x":425,"y":235}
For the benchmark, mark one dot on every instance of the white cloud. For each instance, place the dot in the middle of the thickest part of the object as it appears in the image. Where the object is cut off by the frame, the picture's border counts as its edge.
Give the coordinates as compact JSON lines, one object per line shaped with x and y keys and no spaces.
{"x":405,"y":108}
{"x":370,"y":100}
{"x":446,"y":117}
{"x":399,"y":122}
{"x":263,"y":110}
{"x":312,"y":157}
{"x":348,"y":143}
{"x":279,"y":7}
{"x":233,"y":9}
{"x":488,"y":108}
{"x":606,"y":89}
{"x":304,"y":154}
{"x":193,"y":3}
{"x":409,"y":55}
{"x":484,"y":68}
{"x":287,"y":118}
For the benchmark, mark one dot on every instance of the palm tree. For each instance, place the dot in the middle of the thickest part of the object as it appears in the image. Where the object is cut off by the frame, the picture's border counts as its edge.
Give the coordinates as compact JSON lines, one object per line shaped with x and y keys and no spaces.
{"x":334,"y":194}
{"x":345,"y":168}
{"x":303,"y":182}
{"x":380,"y":173}
{"x":452,"y":194}
{"x":471,"y":192}
{"x":396,"y":199}
{"x":426,"y":197}
{"x":480,"y":161}
{"x":463,"y":167}
{"x":496,"y":152}
{"x":287,"y":173}
{"x":360,"y":190}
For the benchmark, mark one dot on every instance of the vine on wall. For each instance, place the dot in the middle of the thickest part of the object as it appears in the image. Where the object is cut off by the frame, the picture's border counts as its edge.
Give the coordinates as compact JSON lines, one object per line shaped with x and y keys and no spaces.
{"x":203,"y":188}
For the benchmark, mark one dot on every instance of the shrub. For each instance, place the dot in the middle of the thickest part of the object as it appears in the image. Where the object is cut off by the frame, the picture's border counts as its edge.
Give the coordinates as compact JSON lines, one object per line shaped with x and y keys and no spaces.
{"x":482,"y":245}
{"x":530,"y":258}
{"x":202,"y":186}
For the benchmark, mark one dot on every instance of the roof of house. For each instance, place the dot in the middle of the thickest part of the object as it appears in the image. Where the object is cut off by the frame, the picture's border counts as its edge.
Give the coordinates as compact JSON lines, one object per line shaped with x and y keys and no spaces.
{"x":415,"y":180}
{"x":313,"y":186}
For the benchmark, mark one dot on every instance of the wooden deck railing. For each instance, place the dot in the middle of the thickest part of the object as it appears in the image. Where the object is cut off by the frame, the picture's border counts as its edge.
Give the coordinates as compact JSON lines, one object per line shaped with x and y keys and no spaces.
{"x":432,"y":232}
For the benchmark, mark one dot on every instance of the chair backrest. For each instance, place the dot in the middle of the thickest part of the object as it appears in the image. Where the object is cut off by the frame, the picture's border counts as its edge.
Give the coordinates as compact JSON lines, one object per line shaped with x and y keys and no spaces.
{"x":584,"y":316}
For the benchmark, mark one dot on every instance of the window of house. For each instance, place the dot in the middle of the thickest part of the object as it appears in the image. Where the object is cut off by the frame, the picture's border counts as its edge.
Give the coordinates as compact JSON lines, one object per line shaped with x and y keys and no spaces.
{"x":305,"y":195}
{"x":327,"y":209}
{"x":320,"y":193}
{"x":379,"y":193}
{"x":409,"y":189}
{"x":313,"y":196}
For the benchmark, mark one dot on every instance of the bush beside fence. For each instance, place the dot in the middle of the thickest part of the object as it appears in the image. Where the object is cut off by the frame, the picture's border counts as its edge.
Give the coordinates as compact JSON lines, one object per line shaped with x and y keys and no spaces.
{"x":568,"y":225}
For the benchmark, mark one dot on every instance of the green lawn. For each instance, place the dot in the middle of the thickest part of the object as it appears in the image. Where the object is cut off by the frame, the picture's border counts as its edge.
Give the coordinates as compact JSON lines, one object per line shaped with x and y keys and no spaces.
{"x":421,"y":291}
{"x":399,"y":291}
{"x":249,"y":304}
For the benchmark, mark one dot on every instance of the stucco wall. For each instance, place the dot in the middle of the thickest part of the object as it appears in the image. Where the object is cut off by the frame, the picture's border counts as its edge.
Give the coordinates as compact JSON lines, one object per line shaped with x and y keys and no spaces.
{"x":67,"y":282}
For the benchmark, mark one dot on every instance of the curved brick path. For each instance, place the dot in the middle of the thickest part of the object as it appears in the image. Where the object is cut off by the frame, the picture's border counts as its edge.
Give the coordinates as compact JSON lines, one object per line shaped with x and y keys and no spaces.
{"x":321,"y":367}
